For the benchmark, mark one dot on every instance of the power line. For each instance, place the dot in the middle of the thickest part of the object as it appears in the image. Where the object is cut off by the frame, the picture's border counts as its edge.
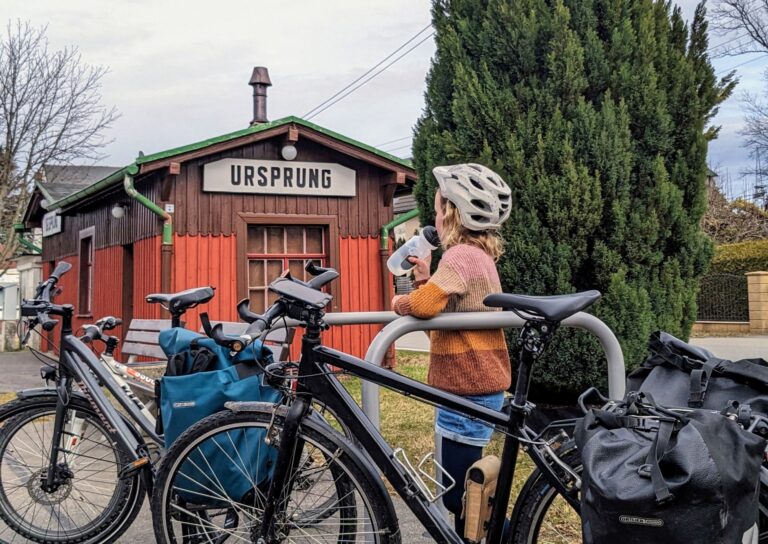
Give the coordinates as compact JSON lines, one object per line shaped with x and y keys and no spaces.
{"x":372,"y":77}
{"x":398,"y":148}
{"x":741,"y":64}
{"x":385,"y":59}
{"x":393,"y":141}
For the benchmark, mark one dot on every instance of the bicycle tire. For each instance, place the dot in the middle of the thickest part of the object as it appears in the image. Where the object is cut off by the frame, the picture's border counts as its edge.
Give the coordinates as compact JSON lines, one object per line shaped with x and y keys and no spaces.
{"x":105,"y":526}
{"x":371,"y":512}
{"x":535,"y":514}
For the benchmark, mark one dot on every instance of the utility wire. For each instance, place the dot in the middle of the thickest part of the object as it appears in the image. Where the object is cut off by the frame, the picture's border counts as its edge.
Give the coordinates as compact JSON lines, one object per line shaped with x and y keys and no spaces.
{"x":373,"y":76}
{"x":393,"y":141}
{"x":762,"y":56}
{"x":382,"y":61}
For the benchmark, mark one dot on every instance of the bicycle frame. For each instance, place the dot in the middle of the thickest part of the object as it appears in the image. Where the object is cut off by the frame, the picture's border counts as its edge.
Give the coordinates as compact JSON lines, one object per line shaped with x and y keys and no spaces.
{"x":316,"y":381}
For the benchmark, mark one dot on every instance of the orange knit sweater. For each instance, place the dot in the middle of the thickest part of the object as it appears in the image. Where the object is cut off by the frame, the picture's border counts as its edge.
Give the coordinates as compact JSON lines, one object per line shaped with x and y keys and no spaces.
{"x":462,"y":362}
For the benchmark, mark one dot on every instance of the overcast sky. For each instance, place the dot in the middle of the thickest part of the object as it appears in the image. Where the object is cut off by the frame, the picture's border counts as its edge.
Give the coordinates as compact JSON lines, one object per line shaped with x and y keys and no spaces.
{"x":179,"y":70}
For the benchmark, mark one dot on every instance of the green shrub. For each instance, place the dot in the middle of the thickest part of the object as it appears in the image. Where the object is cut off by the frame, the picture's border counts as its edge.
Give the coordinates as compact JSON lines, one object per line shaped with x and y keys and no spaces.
{"x":740,"y":258}
{"x":596,"y":113}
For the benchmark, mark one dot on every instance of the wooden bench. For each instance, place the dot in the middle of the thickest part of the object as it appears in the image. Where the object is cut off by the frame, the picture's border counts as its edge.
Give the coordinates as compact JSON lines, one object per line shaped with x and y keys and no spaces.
{"x":142,"y":340}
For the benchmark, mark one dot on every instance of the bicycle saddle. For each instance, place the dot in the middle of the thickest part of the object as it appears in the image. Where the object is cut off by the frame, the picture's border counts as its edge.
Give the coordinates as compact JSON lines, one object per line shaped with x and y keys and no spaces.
{"x":551,"y":308}
{"x":184,"y":300}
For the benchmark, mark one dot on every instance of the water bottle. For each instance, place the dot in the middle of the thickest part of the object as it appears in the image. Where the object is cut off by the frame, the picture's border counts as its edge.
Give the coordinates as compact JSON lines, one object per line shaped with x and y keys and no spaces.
{"x":419,"y":246}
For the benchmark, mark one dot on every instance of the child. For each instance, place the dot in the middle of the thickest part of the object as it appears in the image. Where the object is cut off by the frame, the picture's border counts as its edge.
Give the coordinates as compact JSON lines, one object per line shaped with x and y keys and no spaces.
{"x":470,"y":206}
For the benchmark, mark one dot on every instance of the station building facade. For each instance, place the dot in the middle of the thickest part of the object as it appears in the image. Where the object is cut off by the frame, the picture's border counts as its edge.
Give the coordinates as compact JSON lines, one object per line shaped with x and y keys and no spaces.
{"x":232,"y":212}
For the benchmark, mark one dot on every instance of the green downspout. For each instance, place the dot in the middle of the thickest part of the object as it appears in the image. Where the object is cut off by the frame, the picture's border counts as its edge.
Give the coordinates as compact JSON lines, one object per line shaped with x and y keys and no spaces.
{"x":389,"y":358}
{"x":19,"y":228}
{"x":147,"y":203}
{"x":394,"y":223}
{"x":167,"y":247}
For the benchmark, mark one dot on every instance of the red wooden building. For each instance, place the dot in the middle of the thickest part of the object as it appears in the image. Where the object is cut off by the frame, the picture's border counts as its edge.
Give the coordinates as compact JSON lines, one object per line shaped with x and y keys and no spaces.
{"x":232,"y":212}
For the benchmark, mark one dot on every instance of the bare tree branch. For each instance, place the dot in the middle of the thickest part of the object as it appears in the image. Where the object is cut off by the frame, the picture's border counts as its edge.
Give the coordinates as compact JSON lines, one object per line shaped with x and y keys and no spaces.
{"x":50,"y":112}
{"x":748,"y":18}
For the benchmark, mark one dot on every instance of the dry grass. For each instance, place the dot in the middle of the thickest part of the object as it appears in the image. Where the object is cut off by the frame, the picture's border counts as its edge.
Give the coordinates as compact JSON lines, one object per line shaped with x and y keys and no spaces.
{"x":7,"y":397}
{"x":409,"y":424}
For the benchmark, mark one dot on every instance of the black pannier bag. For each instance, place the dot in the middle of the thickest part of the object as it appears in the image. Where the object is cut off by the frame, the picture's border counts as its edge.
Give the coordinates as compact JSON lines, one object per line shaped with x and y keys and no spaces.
{"x":652,"y":476}
{"x":680,"y":375}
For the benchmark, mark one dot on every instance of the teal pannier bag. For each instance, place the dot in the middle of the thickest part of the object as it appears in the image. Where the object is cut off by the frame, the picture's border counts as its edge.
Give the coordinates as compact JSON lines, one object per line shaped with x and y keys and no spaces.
{"x":226,"y":466}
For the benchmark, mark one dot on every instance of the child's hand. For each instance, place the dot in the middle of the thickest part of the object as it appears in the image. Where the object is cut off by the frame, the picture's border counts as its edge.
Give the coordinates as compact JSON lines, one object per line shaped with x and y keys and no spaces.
{"x":394,"y":302}
{"x":421,"y":267}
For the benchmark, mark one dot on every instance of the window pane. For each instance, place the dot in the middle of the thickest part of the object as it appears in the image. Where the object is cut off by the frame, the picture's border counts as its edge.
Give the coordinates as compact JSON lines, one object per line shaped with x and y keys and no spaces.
{"x":275,"y":240}
{"x":256,"y":296}
{"x":295,"y":239}
{"x":297,"y":269}
{"x":274,"y":269}
{"x":314,"y":240}
{"x":256,"y":274}
{"x":256,"y":239}
{"x":272,"y":298}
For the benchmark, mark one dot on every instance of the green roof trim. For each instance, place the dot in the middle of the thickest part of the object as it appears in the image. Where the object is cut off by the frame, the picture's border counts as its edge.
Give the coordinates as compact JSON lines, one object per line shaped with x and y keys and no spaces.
{"x":132,"y":169}
{"x":266,"y":126}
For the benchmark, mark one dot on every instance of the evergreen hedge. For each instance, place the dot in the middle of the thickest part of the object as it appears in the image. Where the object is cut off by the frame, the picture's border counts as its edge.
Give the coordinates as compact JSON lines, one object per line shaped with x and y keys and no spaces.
{"x":740,"y":258}
{"x":596,"y":113}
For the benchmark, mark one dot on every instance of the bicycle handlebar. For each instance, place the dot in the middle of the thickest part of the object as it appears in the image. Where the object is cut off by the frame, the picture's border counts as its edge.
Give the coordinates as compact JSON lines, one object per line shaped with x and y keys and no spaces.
{"x":41,"y":306}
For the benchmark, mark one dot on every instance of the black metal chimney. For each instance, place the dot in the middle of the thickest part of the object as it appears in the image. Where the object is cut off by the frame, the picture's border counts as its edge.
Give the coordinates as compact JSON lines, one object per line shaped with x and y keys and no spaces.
{"x":259,"y":81}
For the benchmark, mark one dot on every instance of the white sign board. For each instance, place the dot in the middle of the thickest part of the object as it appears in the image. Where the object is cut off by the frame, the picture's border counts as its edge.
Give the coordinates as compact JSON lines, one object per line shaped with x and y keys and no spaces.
{"x":279,"y":178}
{"x":51,"y":224}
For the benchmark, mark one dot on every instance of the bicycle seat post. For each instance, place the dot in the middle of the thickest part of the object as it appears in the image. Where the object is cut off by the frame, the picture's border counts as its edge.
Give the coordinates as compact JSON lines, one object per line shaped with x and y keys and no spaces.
{"x":533,"y":339}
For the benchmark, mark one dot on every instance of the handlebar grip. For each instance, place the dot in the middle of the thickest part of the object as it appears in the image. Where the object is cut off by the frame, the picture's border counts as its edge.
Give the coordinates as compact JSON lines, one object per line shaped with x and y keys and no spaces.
{"x":257,"y":328}
{"x":245,"y":313}
{"x":92,"y":333}
{"x":46,"y":322}
{"x":61,"y":269}
{"x":108,"y":323}
{"x":314,"y":270}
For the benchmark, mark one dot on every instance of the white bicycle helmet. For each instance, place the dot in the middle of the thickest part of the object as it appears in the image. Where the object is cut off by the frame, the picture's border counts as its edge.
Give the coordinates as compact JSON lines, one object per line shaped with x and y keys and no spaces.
{"x":483,"y":199}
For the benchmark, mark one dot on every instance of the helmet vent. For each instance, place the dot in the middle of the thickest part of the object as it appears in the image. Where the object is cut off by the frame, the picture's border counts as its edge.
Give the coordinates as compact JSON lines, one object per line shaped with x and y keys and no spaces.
{"x":476,"y":182}
{"x":480,"y":204}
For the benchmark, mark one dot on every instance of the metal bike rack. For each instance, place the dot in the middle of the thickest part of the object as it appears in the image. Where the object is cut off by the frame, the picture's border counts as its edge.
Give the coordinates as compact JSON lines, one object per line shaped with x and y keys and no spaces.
{"x":398,"y":326}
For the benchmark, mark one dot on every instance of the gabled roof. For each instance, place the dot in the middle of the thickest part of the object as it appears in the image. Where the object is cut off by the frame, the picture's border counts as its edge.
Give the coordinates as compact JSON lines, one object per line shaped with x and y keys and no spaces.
{"x":60,"y":181}
{"x":156,"y":161}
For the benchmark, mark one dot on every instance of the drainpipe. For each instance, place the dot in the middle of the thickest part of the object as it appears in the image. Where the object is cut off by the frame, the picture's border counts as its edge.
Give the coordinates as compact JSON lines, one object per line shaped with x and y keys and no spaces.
{"x":389,"y":359}
{"x":167,"y":247}
{"x":19,"y":228}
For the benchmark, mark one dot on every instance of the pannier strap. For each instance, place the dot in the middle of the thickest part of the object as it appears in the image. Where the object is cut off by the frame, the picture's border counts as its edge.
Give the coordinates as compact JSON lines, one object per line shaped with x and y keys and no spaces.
{"x":655,"y":454}
{"x":700,"y":381}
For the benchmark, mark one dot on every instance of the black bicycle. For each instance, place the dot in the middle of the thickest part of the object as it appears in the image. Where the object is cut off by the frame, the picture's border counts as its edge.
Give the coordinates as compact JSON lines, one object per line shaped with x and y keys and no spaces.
{"x":314,"y":464}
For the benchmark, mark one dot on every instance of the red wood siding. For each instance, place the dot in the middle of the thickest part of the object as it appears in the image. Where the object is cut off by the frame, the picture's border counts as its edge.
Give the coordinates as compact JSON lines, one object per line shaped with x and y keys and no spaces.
{"x":210,"y":260}
{"x":108,"y":284}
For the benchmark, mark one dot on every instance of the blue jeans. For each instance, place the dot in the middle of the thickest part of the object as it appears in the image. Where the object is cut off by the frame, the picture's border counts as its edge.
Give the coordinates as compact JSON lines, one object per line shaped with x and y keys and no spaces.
{"x":460,"y":428}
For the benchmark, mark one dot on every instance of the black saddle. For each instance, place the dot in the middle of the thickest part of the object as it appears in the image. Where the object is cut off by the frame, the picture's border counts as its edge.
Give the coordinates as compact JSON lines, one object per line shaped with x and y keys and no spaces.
{"x":551,"y":308}
{"x":182,"y":301}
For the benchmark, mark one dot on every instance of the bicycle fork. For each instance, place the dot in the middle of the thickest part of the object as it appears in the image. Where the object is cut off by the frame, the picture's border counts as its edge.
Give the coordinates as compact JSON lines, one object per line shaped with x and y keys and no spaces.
{"x":289,"y":452}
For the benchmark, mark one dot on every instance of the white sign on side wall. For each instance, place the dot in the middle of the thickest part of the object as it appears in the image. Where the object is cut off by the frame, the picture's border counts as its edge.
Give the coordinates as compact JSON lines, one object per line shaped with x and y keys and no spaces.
{"x":279,"y":178}
{"x":51,"y":224}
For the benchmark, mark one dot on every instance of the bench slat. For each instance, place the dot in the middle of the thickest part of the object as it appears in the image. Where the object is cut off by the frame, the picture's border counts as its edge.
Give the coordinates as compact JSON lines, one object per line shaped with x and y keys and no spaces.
{"x":234,"y":328}
{"x":150,"y":324}
{"x":144,"y":350}
{"x":142,"y":336}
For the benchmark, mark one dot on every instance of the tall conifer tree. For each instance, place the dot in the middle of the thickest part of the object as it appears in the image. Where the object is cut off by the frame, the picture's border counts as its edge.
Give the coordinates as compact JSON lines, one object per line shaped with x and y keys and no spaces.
{"x":596,"y":113}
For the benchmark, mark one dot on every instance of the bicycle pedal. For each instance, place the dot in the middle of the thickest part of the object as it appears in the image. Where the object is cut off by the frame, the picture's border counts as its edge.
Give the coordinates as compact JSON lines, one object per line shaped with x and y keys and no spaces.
{"x":133,"y":467}
{"x":423,"y":479}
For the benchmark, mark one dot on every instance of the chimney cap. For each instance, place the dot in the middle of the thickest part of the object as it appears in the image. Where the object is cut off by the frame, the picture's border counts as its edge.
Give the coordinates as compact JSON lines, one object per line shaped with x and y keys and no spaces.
{"x":260,"y":76}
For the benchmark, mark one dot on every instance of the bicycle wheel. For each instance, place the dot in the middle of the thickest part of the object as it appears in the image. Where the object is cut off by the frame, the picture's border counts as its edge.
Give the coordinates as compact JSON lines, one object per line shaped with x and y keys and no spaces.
{"x":92,"y":505}
{"x":543,"y":516}
{"x":334,"y":496}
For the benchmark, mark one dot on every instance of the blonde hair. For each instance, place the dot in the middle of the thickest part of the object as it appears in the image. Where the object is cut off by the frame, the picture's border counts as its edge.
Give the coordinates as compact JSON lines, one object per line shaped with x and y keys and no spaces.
{"x":455,"y":233}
